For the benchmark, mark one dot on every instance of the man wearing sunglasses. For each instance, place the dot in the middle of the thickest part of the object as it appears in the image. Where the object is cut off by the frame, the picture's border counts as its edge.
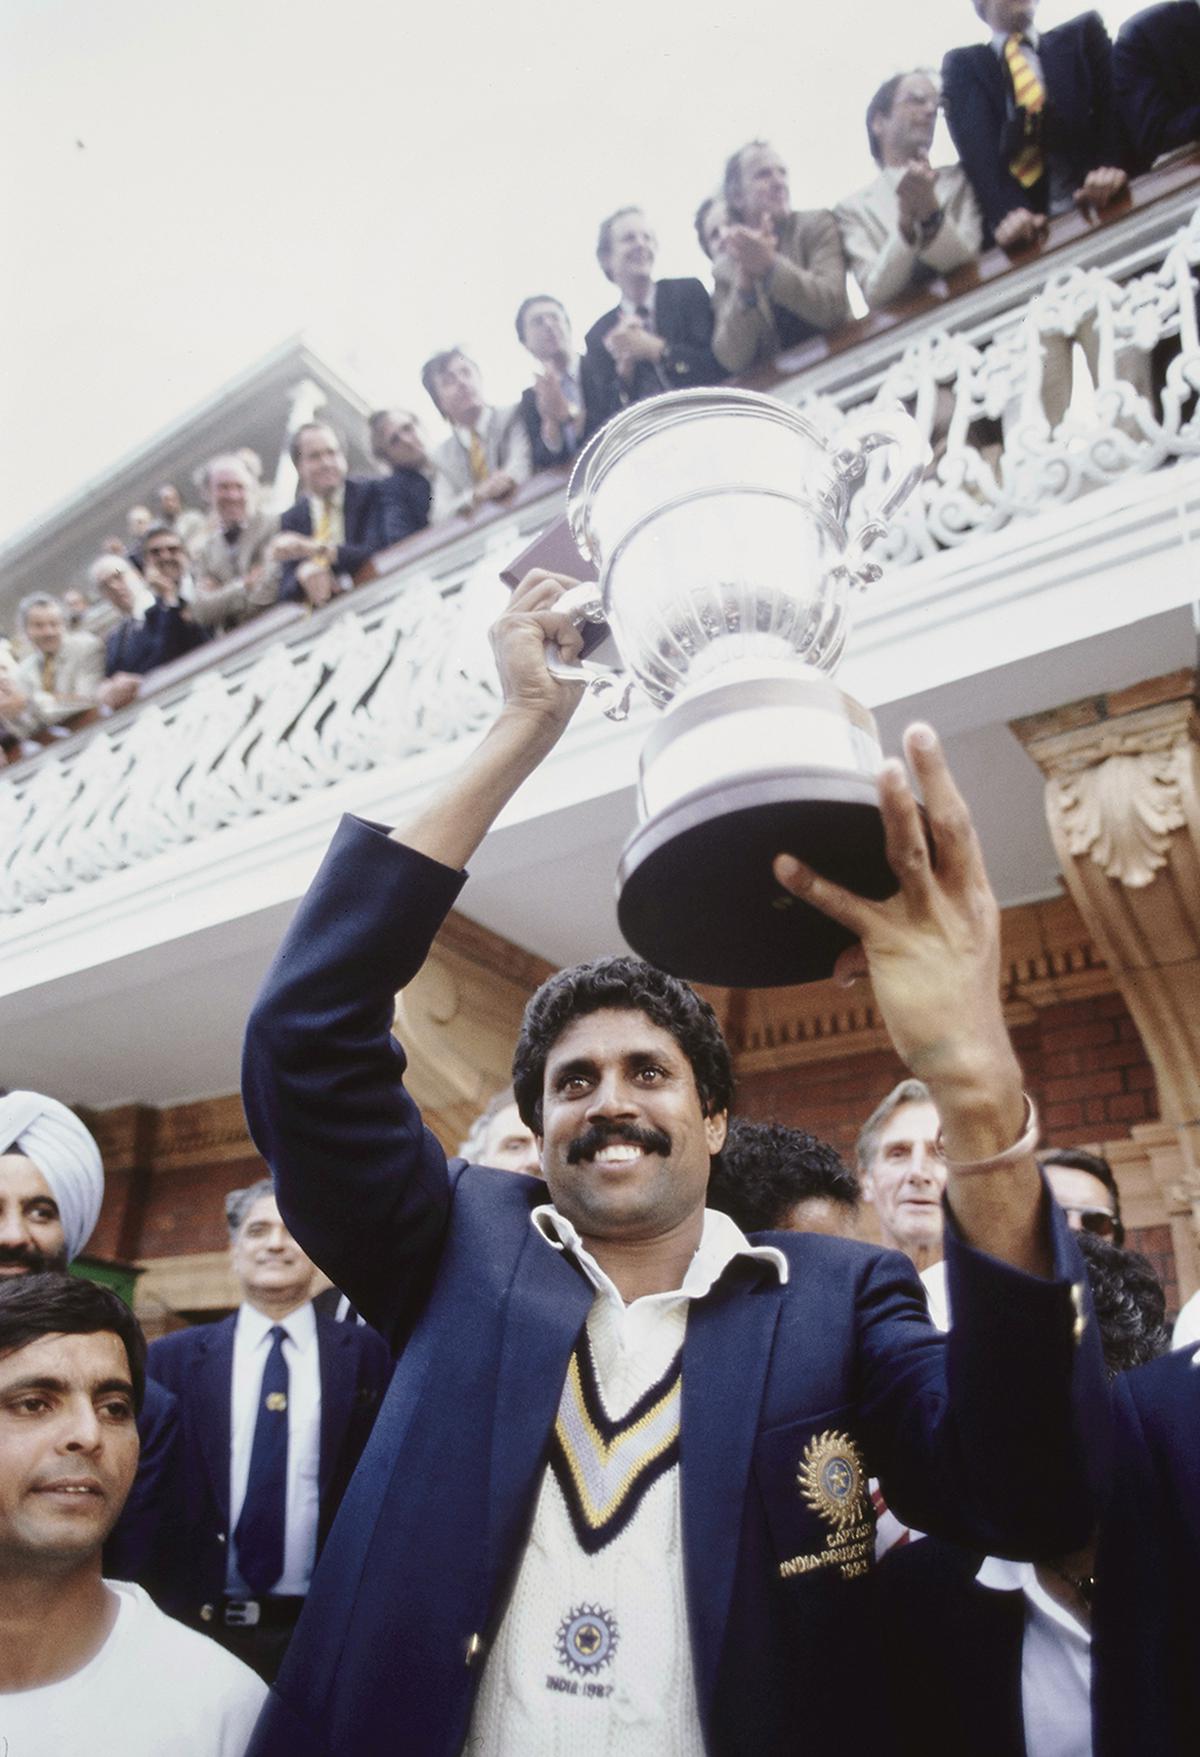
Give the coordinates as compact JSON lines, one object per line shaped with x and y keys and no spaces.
{"x":1085,"y":1189}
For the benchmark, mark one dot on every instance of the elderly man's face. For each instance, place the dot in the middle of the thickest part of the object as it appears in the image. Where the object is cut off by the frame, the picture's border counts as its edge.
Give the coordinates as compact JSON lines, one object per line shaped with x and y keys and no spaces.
{"x":401,"y":440}
{"x":765,"y":190}
{"x":44,"y":626}
{"x":905,"y":1180}
{"x":229,"y":488}
{"x":510,"y":1146}
{"x":31,"y":1230}
{"x":268,"y":1263}
{"x":68,"y":1449}
{"x":632,"y":248}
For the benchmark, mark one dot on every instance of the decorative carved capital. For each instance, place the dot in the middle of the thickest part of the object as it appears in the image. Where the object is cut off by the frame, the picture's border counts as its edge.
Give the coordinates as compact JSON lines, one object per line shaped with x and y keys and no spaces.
{"x":1123,"y":809}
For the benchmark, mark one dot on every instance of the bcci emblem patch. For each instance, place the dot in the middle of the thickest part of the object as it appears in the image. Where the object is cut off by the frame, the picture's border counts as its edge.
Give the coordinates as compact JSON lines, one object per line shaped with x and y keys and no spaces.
{"x":587,"y":1639}
{"x":832,"y":1479}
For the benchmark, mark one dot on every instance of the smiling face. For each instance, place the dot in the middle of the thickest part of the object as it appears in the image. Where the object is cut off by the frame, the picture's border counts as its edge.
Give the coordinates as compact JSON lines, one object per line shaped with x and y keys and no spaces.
{"x":905,"y":1181}
{"x":320,"y":461}
{"x":269,"y":1265}
{"x":764,"y":183}
{"x":626,"y":1146}
{"x":632,"y":247}
{"x":31,"y":1231}
{"x":229,"y":491}
{"x":68,"y":1449}
{"x":44,"y":625}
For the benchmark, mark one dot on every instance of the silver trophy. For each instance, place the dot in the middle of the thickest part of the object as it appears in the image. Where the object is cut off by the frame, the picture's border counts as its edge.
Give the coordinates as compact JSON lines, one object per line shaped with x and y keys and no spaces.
{"x":717,"y":520}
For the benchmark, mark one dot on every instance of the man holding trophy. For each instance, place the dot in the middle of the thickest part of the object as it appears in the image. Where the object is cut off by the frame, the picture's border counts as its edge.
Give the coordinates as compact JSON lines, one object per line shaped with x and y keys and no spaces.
{"x":616,"y":1497}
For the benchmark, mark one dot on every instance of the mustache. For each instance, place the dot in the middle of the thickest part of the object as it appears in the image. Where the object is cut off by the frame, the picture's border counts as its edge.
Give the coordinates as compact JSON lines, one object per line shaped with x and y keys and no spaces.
{"x":600,"y":1133}
{"x":30,"y":1258}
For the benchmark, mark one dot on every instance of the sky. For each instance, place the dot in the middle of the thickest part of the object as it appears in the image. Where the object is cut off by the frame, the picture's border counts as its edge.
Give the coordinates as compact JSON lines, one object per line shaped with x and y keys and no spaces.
{"x":189,"y":184}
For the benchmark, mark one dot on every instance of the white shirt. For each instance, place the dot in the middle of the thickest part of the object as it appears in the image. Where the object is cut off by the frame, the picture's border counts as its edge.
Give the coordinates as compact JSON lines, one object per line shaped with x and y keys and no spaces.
{"x":337,"y":516}
{"x":1187,"y":1324}
{"x":632,"y":1693}
{"x":155,"y":1689}
{"x":251,"y":1346}
{"x":933,"y":1280}
{"x":1056,"y":1664}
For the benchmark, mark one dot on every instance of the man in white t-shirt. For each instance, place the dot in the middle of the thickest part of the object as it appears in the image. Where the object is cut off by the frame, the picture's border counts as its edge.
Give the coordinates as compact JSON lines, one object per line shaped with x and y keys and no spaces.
{"x":88,"y":1664}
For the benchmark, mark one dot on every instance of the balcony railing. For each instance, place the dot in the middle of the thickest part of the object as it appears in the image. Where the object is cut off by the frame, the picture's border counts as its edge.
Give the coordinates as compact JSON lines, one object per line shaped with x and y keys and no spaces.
{"x":399,"y":670}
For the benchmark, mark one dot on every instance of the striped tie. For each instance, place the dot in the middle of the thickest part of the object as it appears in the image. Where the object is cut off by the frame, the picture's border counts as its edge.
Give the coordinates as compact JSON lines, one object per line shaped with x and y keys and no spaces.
{"x":1030,"y":95}
{"x":477,"y":459}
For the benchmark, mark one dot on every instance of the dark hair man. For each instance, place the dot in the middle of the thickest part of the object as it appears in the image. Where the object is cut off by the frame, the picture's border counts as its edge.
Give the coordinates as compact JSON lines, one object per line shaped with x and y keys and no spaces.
{"x":660,"y":335}
{"x":487,"y":454}
{"x":992,"y":1656}
{"x":913,"y":222}
{"x":552,"y":406}
{"x":81,"y":1655}
{"x":769,"y":1178}
{"x":1032,"y":115}
{"x":260,"y":1488}
{"x":524,"y":1510}
{"x":333,"y":528}
{"x":166,"y":631}
{"x":1084,"y":1187}
{"x":405,"y":492}
{"x":1156,"y":77}
{"x":781,"y":275}
{"x":498,"y":1137}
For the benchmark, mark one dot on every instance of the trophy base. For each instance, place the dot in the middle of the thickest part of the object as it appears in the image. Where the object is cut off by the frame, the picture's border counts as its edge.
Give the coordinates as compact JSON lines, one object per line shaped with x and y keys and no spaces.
{"x":697,"y":896}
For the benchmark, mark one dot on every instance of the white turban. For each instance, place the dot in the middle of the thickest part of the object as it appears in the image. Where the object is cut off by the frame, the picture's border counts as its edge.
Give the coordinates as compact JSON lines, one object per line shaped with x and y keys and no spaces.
{"x":66,"y":1155}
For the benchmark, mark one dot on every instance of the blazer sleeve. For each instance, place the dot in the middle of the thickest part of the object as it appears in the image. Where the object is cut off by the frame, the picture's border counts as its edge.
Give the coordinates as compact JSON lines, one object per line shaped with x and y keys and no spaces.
{"x":743,"y":331}
{"x":687,"y":329}
{"x":363,"y":526}
{"x":601,"y":386}
{"x":361,"y":1183}
{"x":1153,"y":123}
{"x":1102,"y":143}
{"x":815,"y":289}
{"x":975,"y":116}
{"x":297,"y":519}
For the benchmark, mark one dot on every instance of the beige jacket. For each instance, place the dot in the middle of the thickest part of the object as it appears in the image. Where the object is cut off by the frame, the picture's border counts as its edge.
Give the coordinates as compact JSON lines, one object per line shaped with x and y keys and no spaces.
{"x":234,"y":599}
{"x":881,"y":259}
{"x":808,"y":279}
{"x":78,"y":674}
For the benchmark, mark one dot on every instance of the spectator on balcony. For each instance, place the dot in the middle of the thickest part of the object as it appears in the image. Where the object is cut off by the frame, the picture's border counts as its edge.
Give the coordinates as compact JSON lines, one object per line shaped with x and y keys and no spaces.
{"x":487,"y":453}
{"x":189,"y":525}
{"x":660,"y":335}
{"x":406,"y":491}
{"x":64,"y":671}
{"x":500,"y":1139}
{"x":913,"y":222}
{"x":1034,"y":120}
{"x":235,"y":577}
{"x":75,"y":608}
{"x":15,"y":721}
{"x":771,"y":1178}
{"x":1156,"y":76}
{"x":149,"y":635}
{"x":552,"y":406}
{"x":781,"y":274}
{"x":333,"y":528}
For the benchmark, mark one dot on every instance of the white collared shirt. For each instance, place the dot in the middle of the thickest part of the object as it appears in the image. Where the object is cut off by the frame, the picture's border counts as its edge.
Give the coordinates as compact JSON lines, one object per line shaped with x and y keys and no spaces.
{"x":337,"y":515}
{"x":1056,"y":1664}
{"x":629,"y":307}
{"x":251,"y":1346}
{"x":1029,"y":48}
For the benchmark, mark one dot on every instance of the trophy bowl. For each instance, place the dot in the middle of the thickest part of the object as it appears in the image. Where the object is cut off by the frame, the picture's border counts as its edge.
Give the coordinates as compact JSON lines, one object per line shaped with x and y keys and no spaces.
{"x":717,"y":520}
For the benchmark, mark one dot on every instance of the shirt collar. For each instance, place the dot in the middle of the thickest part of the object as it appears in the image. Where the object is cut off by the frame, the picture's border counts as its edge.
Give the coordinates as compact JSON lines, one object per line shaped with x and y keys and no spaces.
{"x":336,"y":501}
{"x":463,"y":434}
{"x":630,"y":306}
{"x":720,"y":1242}
{"x":1031,"y":36}
{"x":301,"y":1325}
{"x":1004,"y":1576}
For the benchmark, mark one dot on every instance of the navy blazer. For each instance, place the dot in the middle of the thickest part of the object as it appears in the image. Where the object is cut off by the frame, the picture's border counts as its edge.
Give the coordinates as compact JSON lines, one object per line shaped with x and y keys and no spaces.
{"x":361,"y":521}
{"x":1078,"y":122}
{"x":539,"y":451}
{"x":443,"y":1260}
{"x":404,"y":498}
{"x":1146,"y":1618}
{"x":197,"y":1365}
{"x":683,"y":317}
{"x":1156,"y":77}
{"x":134,"y":1547}
{"x":164,"y":635}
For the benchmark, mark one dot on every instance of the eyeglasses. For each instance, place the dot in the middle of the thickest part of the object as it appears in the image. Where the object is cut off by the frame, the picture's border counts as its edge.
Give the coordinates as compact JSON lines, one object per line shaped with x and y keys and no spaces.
{"x":1100,"y":1221}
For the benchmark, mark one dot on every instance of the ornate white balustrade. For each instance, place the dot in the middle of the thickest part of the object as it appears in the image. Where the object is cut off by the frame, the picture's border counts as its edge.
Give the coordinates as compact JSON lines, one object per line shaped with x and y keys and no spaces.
{"x":399,"y":670}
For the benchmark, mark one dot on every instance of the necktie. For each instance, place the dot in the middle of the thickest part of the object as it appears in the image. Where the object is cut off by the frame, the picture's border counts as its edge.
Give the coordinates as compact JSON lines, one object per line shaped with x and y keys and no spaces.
{"x":232,"y":534}
{"x":324,"y":530}
{"x":477,"y":458}
{"x":260,"y":1526}
{"x":49,"y":667}
{"x":1030,"y":96}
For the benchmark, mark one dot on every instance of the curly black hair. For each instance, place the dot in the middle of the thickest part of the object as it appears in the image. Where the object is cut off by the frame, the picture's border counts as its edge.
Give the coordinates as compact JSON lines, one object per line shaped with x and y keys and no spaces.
{"x":764,"y":1169}
{"x":1129,"y":1302}
{"x":626,"y":985}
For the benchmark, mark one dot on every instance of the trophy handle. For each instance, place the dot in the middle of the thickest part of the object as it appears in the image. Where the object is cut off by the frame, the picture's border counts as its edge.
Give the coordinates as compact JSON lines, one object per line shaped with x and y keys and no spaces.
{"x":584,"y":604}
{"x":852,"y":444}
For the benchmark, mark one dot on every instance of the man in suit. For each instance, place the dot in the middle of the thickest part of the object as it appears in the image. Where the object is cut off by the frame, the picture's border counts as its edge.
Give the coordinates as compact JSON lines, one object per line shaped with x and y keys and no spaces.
{"x":234,"y":577}
{"x":166,"y":630}
{"x":405,"y":492}
{"x":487,"y":453}
{"x":275,"y":1405}
{"x":528,"y":1547}
{"x":64,"y":671}
{"x":1156,"y":77}
{"x":552,"y":406}
{"x":780,"y":274}
{"x":1032,"y":116}
{"x":332,"y":529}
{"x":913,"y":223}
{"x":994,"y":1657}
{"x":660,"y":335}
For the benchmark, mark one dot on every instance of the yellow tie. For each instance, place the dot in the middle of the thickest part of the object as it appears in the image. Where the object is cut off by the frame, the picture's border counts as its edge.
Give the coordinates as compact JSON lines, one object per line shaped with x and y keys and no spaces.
{"x":324,"y":530}
{"x":477,"y":458}
{"x":49,"y":668}
{"x":1030,"y":96}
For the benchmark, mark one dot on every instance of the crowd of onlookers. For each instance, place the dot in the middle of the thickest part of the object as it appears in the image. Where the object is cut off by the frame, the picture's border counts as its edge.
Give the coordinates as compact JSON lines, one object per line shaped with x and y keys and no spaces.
{"x":1042,"y":121}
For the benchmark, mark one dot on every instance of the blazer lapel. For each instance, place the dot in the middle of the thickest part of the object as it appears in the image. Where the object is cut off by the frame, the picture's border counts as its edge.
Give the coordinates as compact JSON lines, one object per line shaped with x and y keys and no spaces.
{"x":214,"y":1389}
{"x":547,"y":1307}
{"x":339,"y":1387}
{"x":725,"y":1356}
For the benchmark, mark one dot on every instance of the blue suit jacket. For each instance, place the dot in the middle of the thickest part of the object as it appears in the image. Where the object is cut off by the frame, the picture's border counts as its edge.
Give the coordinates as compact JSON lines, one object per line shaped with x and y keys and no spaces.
{"x":1156,"y":76}
{"x":363,"y":532}
{"x":403,"y":508}
{"x":134,"y":1550}
{"x":1146,"y":1620}
{"x":683,"y":317}
{"x":163,"y":636}
{"x":1079,"y":118}
{"x":444,"y":1261}
{"x":197,"y":1365}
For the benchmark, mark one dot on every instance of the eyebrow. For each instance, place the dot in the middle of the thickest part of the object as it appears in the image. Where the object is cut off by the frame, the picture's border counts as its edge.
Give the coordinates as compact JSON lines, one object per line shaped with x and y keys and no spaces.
{"x":46,"y":1382}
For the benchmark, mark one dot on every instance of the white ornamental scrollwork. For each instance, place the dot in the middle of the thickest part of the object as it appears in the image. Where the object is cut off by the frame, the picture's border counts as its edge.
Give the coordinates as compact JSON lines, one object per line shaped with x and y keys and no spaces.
{"x":1123,"y":810}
